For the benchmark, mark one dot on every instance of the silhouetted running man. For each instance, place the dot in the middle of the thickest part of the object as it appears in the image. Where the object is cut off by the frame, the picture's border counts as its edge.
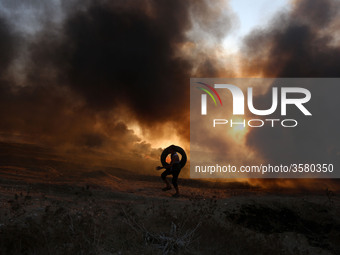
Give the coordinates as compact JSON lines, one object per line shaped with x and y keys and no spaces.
{"x":174,"y":169}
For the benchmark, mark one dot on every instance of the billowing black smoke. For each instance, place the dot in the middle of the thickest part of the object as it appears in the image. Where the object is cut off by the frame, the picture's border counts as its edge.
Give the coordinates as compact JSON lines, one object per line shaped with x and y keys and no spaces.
{"x":301,"y":43}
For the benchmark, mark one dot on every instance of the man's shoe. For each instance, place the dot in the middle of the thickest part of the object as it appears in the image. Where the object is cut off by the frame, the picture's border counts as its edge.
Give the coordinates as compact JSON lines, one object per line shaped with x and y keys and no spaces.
{"x":175,"y":195}
{"x":166,"y":188}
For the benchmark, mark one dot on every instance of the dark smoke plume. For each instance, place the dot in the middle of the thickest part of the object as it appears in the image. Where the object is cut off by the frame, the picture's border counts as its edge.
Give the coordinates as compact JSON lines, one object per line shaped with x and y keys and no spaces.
{"x":78,"y":70}
{"x":300,"y":43}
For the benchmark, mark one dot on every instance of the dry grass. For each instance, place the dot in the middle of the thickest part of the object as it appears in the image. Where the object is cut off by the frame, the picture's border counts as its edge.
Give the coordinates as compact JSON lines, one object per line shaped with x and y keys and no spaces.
{"x":91,"y":223}
{"x":46,"y":207}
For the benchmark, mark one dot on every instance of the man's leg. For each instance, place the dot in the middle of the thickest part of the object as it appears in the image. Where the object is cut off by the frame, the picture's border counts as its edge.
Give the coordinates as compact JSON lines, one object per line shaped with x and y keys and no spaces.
{"x":163,"y":176}
{"x":175,"y":174}
{"x":177,"y":191}
{"x":174,"y":182}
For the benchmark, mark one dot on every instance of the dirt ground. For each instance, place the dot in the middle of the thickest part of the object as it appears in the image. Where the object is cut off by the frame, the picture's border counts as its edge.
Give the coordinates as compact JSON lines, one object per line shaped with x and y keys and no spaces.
{"x":53,"y":205}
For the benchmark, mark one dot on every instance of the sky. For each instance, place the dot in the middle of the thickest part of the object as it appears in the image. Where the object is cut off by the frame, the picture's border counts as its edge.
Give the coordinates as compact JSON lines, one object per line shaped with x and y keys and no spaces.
{"x":111,"y":78}
{"x":251,"y":15}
